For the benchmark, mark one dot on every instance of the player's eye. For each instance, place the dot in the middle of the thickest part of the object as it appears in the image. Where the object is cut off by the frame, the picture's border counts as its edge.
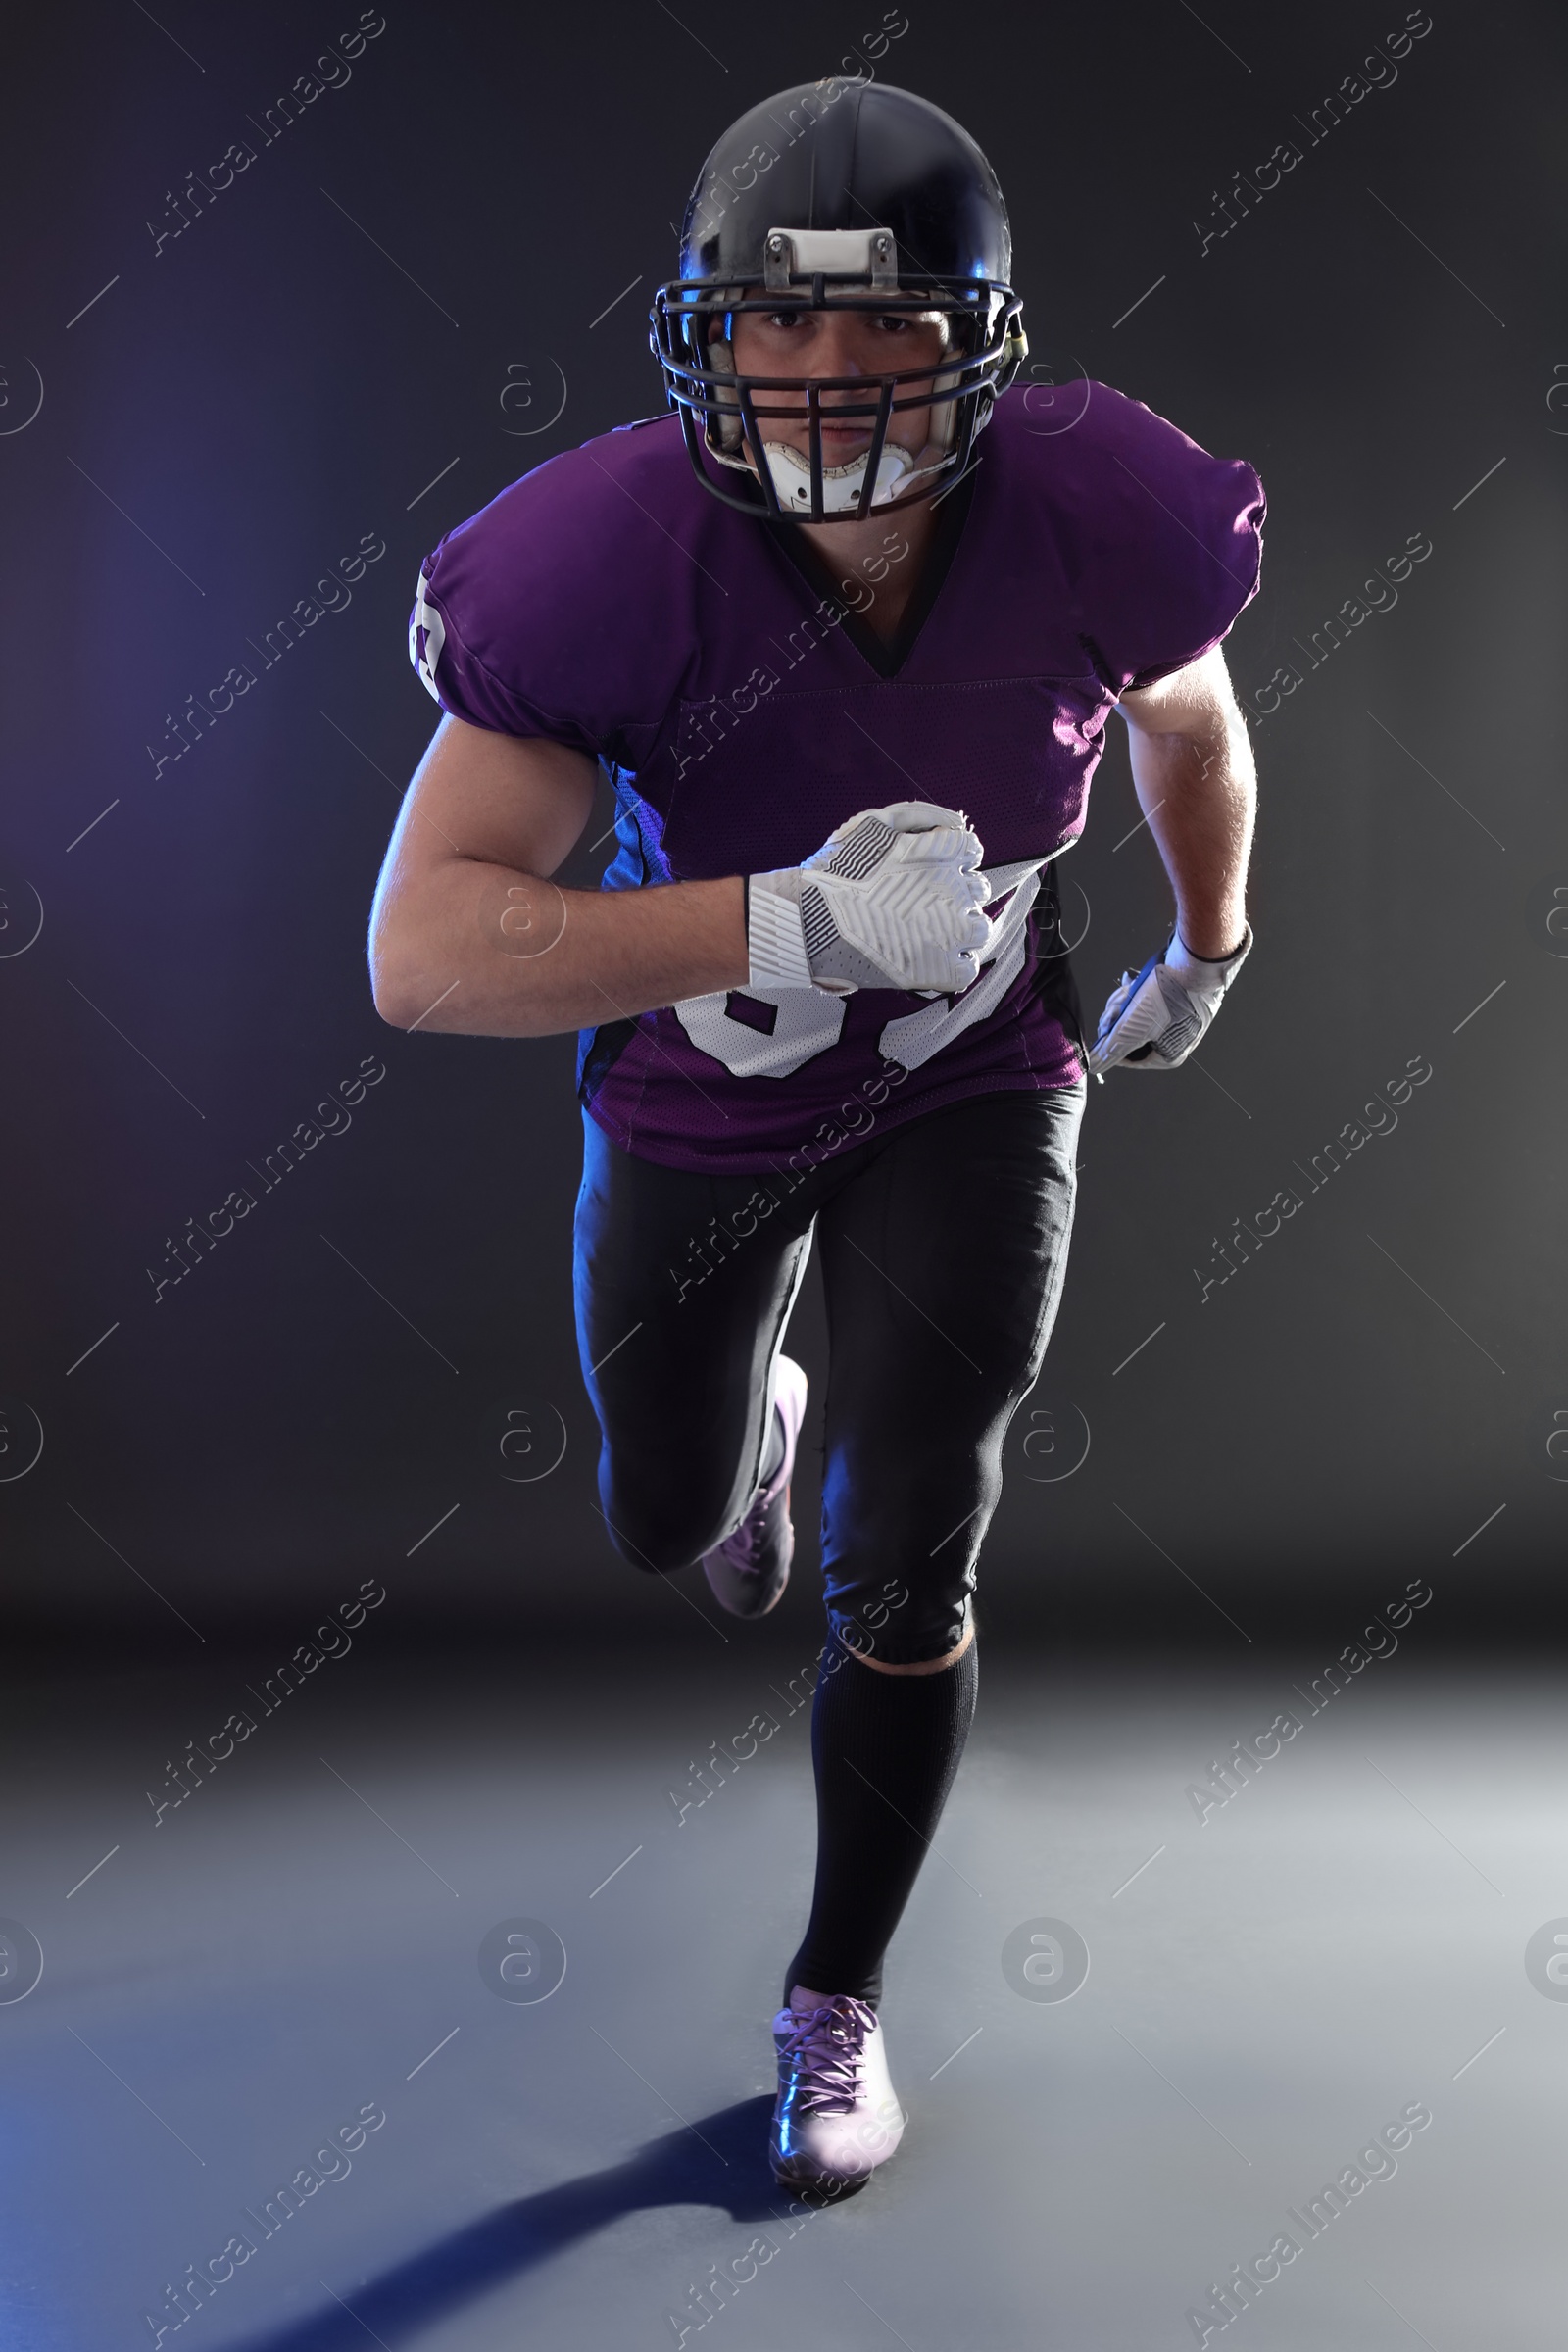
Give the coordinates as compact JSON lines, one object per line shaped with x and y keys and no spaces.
{"x":787,"y":320}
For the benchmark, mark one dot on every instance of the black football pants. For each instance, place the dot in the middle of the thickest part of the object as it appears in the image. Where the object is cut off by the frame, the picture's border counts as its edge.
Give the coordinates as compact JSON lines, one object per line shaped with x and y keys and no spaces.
{"x":944,"y":1244}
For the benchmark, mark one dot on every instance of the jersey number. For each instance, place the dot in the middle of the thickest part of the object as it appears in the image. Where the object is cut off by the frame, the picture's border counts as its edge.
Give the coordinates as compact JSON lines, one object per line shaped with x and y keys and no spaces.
{"x":770,"y":1033}
{"x":762,"y":1033}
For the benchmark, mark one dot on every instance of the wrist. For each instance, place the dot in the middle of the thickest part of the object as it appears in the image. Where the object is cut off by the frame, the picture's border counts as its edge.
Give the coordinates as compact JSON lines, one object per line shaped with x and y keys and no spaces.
{"x":1206,"y":977}
{"x":1215,"y":941}
{"x":775,"y":939}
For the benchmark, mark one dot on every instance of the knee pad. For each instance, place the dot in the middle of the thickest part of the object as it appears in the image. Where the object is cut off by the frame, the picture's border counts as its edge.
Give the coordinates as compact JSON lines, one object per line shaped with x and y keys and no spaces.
{"x":901,"y":1626}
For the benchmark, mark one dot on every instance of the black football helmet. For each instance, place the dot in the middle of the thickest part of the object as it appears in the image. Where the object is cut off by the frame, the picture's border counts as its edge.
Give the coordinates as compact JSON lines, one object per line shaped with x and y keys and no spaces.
{"x":839,"y":194}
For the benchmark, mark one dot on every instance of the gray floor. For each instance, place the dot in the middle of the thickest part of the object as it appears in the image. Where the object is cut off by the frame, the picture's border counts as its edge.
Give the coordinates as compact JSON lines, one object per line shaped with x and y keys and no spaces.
{"x":243,"y":1976}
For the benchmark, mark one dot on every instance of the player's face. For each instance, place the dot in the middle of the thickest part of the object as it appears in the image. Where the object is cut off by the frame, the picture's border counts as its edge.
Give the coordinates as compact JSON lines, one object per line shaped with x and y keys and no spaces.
{"x":805,"y":343}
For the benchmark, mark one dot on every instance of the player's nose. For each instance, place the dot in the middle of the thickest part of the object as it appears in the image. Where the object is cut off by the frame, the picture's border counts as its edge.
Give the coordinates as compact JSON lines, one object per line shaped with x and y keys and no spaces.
{"x":837,"y":348}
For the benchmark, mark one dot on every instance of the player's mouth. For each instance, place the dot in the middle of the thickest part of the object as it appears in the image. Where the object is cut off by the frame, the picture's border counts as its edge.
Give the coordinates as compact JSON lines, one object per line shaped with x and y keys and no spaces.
{"x":841,"y":444}
{"x":844,"y":437}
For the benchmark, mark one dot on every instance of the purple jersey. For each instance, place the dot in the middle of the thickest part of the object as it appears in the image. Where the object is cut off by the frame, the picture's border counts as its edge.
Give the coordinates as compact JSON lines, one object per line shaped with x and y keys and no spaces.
{"x":607,"y":603}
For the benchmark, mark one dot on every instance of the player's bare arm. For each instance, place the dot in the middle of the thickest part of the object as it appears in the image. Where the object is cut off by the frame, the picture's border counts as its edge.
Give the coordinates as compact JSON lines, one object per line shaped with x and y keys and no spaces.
{"x":468,"y":934}
{"x":1197,"y":786}
{"x":1193,"y":777}
{"x":893,"y":899}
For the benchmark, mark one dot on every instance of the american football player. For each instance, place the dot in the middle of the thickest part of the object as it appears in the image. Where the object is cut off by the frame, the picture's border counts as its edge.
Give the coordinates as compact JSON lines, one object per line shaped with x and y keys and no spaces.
{"x":844,"y":626}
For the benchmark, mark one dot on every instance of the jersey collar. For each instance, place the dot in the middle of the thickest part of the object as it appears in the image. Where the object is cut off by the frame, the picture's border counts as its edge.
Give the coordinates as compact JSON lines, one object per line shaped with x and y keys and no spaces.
{"x":886,"y":658}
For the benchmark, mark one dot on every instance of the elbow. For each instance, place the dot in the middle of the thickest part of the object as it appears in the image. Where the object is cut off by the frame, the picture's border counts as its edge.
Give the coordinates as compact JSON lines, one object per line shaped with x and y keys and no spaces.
{"x":399,"y":993}
{"x":416,"y":1002}
{"x":391,"y":1000}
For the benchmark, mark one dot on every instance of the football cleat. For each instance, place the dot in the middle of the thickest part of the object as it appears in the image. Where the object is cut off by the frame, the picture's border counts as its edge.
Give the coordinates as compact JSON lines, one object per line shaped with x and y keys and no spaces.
{"x":837,"y":2116}
{"x":748,"y":1572}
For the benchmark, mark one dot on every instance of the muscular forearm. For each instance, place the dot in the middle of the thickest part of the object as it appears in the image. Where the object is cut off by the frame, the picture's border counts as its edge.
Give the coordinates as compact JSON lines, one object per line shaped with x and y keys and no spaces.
{"x":1197,"y":789}
{"x":494,"y":952}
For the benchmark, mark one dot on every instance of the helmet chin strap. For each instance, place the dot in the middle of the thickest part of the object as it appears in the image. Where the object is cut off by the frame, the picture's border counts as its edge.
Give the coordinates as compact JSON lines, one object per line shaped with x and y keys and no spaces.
{"x":841,"y":485}
{"x":791,"y":473}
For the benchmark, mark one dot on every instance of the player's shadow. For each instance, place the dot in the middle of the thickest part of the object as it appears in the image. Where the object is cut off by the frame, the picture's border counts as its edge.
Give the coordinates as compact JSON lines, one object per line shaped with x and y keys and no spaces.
{"x":720,"y":2161}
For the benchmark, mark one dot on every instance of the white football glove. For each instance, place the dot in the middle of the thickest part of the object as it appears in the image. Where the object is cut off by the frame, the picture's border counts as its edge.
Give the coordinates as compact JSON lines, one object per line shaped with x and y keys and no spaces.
{"x":892,"y":900}
{"x":1157,"y":1016}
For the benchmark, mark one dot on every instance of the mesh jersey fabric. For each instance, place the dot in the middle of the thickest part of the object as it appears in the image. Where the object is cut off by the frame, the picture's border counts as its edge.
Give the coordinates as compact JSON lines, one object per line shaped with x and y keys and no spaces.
{"x":606,"y":602}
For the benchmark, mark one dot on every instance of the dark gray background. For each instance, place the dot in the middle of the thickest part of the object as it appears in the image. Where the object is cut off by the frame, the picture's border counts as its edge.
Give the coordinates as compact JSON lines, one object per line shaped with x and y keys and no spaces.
{"x":233,"y":413}
{"x":1272,"y":1979}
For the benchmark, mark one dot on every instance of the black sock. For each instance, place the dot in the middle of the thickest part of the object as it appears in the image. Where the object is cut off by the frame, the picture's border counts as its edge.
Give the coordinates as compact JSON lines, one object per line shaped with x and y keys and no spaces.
{"x":886,"y":1747}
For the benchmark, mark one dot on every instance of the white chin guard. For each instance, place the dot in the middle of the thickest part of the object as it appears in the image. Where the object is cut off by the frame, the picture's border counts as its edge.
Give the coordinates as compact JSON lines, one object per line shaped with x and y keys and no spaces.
{"x":841,"y":484}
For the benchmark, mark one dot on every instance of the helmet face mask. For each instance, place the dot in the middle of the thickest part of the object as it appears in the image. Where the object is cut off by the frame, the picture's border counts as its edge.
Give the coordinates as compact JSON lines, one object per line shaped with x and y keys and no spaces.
{"x":769,"y":248}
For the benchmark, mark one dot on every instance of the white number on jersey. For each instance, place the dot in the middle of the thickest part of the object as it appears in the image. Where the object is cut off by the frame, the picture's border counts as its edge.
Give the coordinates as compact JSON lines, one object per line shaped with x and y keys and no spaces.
{"x":915,"y":1036}
{"x":808,"y":1020}
{"x":427,"y":618}
{"x":805,"y":1023}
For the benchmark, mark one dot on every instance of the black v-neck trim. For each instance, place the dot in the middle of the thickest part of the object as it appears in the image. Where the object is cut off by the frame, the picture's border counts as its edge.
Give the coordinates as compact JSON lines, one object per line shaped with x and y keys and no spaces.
{"x":886,"y":659}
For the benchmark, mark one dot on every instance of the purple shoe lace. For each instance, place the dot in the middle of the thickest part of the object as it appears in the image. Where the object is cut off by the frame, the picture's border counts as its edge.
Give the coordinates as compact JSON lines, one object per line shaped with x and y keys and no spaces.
{"x":826,"y":2049}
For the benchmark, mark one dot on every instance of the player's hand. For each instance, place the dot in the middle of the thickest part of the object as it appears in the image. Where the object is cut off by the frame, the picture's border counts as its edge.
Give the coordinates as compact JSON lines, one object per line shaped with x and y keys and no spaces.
{"x":1158,"y":1015}
{"x":892,"y":900}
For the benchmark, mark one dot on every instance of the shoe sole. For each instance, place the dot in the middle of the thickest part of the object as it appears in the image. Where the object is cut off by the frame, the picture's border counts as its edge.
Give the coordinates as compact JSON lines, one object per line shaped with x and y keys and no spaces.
{"x":728,"y":1586}
{"x":822,"y":2189}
